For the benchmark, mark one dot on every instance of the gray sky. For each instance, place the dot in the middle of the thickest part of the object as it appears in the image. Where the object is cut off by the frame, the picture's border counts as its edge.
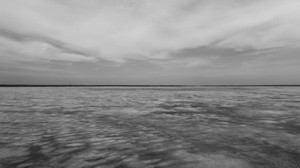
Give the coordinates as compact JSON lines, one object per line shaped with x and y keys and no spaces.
{"x":149,"y":41}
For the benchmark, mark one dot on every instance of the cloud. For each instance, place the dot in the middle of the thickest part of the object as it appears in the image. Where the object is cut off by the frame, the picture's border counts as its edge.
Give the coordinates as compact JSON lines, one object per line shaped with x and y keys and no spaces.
{"x":129,"y":41}
{"x":117,"y":30}
{"x":15,"y":47}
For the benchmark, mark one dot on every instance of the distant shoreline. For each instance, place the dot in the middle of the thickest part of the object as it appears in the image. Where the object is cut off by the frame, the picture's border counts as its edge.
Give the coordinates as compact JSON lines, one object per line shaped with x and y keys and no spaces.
{"x":24,"y":85}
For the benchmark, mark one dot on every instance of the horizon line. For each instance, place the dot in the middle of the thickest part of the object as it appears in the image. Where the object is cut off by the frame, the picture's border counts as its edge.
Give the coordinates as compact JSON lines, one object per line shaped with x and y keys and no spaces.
{"x":146,"y":85}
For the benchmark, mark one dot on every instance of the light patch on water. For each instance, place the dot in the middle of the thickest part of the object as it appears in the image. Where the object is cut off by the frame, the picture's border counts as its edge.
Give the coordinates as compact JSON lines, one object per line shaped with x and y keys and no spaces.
{"x":272,"y":112}
{"x":210,"y":160}
{"x":269,"y":121}
{"x":12,"y":152}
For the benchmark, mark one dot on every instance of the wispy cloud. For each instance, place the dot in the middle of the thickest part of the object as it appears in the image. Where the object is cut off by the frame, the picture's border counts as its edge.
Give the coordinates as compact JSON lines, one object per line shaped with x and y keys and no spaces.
{"x":120,"y":29}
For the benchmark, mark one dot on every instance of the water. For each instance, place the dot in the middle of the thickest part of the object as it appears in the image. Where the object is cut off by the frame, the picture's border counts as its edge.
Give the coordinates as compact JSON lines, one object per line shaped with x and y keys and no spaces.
{"x":176,"y":127}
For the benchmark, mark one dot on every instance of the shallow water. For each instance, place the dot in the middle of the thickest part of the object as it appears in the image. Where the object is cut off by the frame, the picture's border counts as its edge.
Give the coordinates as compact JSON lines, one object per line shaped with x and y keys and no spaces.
{"x":176,"y":127}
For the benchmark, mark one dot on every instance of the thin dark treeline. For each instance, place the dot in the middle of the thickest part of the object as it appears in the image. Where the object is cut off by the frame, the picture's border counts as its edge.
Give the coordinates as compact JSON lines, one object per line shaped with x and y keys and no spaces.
{"x":25,"y":85}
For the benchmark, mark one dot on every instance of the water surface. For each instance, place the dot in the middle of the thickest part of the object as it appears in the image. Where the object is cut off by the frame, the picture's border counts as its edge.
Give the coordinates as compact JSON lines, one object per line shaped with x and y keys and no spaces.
{"x":174,"y":127}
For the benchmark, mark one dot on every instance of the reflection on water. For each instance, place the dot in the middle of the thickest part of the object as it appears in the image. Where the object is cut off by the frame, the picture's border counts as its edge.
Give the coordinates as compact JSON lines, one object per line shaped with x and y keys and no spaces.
{"x":186,"y":127}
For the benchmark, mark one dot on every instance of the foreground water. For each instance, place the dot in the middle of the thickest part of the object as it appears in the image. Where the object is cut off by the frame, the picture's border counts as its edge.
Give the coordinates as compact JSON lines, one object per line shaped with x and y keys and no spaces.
{"x":176,"y":127}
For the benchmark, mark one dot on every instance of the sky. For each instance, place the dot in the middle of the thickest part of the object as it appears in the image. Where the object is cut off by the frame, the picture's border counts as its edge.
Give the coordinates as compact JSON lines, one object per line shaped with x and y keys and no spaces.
{"x":123,"y":42}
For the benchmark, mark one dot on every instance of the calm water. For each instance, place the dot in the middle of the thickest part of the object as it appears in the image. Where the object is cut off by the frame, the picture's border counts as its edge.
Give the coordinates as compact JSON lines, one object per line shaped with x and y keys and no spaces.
{"x":196,"y":127}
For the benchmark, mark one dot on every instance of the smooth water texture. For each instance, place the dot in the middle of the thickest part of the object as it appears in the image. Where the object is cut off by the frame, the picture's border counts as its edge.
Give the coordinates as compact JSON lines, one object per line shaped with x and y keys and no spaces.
{"x":175,"y":127}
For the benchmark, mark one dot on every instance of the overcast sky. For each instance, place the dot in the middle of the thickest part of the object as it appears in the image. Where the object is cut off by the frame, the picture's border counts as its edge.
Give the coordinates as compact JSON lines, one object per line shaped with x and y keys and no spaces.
{"x":149,"y":41}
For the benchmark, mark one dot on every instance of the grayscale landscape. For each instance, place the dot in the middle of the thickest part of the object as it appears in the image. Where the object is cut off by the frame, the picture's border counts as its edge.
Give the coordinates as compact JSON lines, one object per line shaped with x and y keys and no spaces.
{"x":149,"y":84}
{"x":150,"y":127}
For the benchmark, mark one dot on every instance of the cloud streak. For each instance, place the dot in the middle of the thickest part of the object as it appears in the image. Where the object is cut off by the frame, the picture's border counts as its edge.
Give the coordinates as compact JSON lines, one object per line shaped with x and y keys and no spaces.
{"x":117,"y":30}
